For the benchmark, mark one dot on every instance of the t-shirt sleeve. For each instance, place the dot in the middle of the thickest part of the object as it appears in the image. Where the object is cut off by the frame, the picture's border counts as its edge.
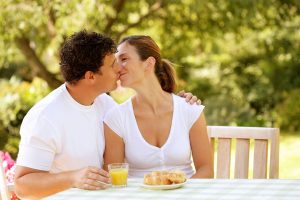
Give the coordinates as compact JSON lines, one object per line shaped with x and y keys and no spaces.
{"x":113,"y":119}
{"x":108,"y":101}
{"x":193,"y":112}
{"x":38,"y":144}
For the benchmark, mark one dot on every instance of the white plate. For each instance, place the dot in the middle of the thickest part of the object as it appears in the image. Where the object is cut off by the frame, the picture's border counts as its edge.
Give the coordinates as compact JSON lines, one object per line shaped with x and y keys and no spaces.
{"x":163,"y":187}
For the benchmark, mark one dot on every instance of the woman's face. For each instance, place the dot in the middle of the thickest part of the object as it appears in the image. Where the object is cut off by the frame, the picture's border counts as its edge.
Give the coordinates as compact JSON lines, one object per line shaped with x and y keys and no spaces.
{"x":132,"y":67}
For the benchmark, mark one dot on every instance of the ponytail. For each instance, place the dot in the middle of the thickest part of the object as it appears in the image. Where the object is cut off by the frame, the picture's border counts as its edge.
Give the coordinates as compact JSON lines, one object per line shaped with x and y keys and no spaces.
{"x":166,"y":76}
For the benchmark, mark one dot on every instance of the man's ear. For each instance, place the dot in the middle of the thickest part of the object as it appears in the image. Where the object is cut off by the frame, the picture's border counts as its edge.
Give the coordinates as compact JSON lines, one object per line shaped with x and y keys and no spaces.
{"x":150,"y":63}
{"x":89,"y":75}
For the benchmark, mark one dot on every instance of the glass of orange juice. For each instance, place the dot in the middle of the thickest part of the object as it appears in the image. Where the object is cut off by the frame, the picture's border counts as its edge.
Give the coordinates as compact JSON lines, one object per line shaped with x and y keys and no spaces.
{"x":118,"y":173}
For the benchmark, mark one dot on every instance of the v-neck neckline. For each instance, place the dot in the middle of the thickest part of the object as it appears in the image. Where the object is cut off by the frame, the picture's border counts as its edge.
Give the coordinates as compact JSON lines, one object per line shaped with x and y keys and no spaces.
{"x":140,"y":133}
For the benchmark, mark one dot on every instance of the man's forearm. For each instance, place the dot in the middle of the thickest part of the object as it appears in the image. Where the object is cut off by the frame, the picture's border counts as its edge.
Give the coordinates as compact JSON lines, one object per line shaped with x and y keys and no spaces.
{"x":39,"y":185}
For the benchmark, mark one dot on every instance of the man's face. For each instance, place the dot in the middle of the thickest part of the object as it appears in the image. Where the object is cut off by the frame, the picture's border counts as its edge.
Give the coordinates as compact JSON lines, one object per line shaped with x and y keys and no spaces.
{"x":107,"y":80}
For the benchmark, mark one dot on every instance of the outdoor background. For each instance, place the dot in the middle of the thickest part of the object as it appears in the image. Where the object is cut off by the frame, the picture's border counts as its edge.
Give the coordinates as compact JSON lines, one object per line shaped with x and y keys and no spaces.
{"x":240,"y":57}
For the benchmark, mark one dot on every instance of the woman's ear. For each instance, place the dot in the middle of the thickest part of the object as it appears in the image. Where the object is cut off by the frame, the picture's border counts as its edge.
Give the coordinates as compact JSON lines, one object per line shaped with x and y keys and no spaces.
{"x":150,"y":63}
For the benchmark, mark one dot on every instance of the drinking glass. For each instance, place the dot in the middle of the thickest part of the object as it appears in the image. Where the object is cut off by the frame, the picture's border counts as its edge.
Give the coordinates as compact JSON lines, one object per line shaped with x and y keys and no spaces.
{"x":118,"y":173}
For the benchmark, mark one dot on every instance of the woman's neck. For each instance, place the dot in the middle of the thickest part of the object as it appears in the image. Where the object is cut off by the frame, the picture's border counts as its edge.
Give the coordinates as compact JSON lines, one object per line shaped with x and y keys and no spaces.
{"x":151,"y":97}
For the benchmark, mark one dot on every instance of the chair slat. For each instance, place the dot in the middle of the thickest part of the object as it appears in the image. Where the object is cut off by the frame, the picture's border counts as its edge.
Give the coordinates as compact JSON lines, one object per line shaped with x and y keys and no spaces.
{"x":274,"y":156}
{"x":212,"y":143}
{"x":263,"y":135}
{"x":241,"y":132}
{"x":242,"y":158}
{"x":260,"y":159}
{"x":223,"y":159}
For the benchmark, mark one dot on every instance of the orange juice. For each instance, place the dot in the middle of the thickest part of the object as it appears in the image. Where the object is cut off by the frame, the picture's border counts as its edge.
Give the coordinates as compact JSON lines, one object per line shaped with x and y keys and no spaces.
{"x":118,"y":176}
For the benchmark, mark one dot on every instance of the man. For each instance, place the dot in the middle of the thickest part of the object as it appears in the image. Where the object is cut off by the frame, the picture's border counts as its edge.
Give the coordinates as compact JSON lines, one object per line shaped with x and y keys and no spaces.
{"x":62,"y":141}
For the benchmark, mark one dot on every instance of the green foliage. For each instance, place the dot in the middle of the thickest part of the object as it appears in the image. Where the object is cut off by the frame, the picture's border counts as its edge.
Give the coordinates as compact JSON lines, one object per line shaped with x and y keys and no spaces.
{"x":122,"y":94}
{"x":239,"y":58}
{"x":289,"y":111}
{"x":16,"y":98}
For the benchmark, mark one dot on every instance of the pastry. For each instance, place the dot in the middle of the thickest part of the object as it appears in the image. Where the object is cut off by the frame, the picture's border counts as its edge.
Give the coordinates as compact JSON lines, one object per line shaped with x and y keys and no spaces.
{"x":177,"y":176}
{"x":164,"y":177}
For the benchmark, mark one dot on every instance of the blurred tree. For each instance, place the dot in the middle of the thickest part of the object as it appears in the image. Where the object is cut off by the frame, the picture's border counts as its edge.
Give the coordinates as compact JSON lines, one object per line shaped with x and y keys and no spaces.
{"x":36,"y":29}
{"x":289,"y":111}
{"x":16,"y":98}
{"x":240,"y":57}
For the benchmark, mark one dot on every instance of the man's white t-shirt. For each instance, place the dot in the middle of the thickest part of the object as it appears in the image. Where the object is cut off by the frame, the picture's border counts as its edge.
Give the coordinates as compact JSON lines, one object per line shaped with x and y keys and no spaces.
{"x":59,"y":134}
{"x":144,"y":157}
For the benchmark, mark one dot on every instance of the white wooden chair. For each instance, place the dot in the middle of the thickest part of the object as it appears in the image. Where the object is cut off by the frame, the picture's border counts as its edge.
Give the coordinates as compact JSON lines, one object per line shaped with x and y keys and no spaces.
{"x":4,"y":188}
{"x":222,"y":136}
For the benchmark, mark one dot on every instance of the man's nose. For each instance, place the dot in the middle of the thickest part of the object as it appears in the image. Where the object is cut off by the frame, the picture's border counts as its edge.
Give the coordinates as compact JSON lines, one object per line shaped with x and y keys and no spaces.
{"x":117,"y":67}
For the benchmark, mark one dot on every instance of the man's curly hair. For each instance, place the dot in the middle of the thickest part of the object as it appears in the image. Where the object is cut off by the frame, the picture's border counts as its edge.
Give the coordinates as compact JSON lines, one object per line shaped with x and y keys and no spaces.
{"x":84,"y":51}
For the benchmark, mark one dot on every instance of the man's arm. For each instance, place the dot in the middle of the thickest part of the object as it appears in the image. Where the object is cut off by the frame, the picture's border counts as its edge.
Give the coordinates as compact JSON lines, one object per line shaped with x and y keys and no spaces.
{"x":36,"y":184}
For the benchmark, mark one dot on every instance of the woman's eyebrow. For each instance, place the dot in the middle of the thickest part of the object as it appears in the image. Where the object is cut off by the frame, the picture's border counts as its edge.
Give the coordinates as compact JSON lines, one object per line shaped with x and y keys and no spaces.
{"x":122,"y":54}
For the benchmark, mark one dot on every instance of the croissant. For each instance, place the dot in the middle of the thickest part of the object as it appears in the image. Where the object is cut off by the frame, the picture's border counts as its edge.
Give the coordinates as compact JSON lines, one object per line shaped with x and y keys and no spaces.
{"x":164,"y":177}
{"x":177,"y":176}
{"x":150,"y":179}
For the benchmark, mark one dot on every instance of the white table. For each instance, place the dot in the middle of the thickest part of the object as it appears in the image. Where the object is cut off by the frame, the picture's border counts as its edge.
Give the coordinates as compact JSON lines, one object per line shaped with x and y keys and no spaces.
{"x":207,"y":189}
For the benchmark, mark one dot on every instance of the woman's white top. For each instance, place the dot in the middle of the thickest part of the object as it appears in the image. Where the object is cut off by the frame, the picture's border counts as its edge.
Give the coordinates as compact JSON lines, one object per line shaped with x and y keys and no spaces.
{"x":144,"y":157}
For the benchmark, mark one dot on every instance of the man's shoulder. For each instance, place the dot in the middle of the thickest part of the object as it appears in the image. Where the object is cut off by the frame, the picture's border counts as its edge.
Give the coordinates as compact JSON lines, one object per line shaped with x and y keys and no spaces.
{"x":49,"y":103}
{"x":105,"y":101}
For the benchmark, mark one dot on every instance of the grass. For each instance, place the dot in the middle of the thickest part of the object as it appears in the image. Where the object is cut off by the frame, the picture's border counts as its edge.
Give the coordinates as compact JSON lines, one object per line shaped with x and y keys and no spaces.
{"x":289,"y":157}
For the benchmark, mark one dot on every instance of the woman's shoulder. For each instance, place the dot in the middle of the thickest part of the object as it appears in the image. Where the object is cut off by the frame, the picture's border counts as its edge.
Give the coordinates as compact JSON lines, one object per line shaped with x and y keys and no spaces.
{"x":185,"y":105}
{"x":185,"y":108}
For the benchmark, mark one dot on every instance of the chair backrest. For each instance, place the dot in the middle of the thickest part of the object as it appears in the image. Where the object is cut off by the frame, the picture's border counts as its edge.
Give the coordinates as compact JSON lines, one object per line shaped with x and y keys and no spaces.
{"x":222,"y":136}
{"x":4,"y":190}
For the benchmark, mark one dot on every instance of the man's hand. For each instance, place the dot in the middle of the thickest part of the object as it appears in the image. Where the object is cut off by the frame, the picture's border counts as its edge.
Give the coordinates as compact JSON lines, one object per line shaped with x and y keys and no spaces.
{"x":91,"y":178}
{"x":189,"y":97}
{"x":36,"y":184}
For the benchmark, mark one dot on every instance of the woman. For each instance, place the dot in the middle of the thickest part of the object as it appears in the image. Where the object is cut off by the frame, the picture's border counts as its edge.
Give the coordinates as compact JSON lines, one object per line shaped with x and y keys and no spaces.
{"x":155,"y":129}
